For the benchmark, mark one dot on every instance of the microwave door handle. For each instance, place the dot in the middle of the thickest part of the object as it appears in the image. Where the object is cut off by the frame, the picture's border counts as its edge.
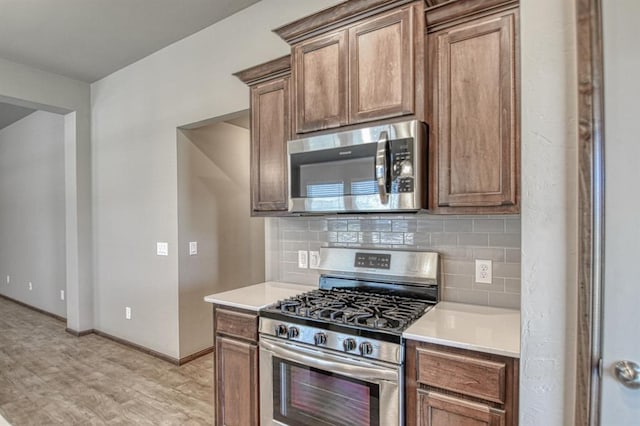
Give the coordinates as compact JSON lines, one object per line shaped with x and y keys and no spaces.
{"x":382,"y":166}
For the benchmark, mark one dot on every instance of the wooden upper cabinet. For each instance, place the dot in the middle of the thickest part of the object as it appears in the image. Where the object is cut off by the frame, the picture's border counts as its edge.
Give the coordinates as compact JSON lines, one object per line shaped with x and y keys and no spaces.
{"x":368,"y":69}
{"x":270,"y":130}
{"x":320,"y":73}
{"x":474,"y":115}
{"x":381,"y":71}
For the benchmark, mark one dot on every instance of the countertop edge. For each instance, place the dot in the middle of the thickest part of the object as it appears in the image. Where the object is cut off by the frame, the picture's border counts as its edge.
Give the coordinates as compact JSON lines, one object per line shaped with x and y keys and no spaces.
{"x":254,"y":297}
{"x":462,"y":345}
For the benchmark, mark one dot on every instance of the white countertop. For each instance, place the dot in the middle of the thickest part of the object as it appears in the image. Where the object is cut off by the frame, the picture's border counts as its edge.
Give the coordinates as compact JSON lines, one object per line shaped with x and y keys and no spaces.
{"x":478,"y":328}
{"x":257,"y":296}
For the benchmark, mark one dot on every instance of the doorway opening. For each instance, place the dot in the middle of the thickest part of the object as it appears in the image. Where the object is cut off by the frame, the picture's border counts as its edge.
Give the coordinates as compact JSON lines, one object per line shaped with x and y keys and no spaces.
{"x":221,"y":246}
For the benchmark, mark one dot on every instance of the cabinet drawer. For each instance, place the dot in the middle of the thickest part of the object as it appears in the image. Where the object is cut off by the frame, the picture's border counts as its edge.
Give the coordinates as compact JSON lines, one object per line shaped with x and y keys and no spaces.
{"x":463,"y":374}
{"x":237,"y":324}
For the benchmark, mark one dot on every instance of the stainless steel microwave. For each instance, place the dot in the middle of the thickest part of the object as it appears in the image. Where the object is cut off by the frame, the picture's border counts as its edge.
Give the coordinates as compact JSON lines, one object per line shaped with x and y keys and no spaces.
{"x":372,"y":169}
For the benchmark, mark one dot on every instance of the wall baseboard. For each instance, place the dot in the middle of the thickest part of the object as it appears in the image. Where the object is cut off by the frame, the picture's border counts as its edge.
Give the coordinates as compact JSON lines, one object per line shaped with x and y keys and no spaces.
{"x":196,"y":355}
{"x":138,"y":347}
{"x":33,"y":308}
{"x":79,"y":333}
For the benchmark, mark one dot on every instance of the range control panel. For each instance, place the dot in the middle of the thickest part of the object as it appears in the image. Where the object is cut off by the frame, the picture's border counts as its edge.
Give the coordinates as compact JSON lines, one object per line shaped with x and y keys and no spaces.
{"x":372,"y":260}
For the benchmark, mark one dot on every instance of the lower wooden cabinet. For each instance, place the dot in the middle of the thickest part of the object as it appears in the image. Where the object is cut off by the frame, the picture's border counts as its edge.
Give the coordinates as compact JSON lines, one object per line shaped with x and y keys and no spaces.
{"x":456,"y":387}
{"x":236,"y":374}
{"x":438,"y":409}
{"x":237,"y":377}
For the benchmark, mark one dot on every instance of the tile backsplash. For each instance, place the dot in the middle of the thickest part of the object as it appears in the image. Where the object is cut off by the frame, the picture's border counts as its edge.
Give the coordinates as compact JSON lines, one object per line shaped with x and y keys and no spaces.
{"x":459,"y":239}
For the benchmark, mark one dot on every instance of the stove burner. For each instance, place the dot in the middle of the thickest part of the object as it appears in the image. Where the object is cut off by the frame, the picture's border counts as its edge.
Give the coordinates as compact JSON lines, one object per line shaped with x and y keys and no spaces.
{"x":357,"y":308}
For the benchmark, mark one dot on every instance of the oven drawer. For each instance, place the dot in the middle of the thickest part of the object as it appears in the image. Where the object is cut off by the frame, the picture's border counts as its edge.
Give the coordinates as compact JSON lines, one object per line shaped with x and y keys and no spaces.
{"x":463,"y":374}
{"x":237,"y":324}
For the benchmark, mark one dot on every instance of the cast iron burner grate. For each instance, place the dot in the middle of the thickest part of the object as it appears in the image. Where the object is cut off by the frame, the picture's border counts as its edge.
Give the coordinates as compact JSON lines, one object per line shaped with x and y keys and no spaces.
{"x":356,"y":308}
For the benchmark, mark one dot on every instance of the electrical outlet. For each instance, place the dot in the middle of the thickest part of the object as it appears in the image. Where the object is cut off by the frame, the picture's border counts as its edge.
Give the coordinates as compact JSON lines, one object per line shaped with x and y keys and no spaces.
{"x":162,"y":249}
{"x":30,"y":286}
{"x":127,"y":313}
{"x":483,"y":271}
{"x":303,"y":259}
{"x":314,"y":259}
{"x":193,"y":248}
{"x":61,"y":294}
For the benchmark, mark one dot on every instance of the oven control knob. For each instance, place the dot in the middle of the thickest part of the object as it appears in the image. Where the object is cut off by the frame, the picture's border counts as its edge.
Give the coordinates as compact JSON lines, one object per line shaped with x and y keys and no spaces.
{"x":319,"y":338}
{"x":349,"y":344}
{"x":281,"y":330}
{"x":366,"y":348}
{"x":293,"y":332}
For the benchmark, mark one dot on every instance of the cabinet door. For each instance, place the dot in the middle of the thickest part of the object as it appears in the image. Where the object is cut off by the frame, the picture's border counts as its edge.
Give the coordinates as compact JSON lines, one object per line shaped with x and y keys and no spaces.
{"x":382,"y":67}
{"x":270,"y":130}
{"x":435,"y":409}
{"x":475,"y":114}
{"x":237,"y":387}
{"x":320,"y":72}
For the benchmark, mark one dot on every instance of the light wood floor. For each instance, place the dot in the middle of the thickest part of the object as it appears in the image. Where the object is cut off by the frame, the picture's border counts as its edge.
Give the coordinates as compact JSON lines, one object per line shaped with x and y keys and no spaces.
{"x":48,"y":377}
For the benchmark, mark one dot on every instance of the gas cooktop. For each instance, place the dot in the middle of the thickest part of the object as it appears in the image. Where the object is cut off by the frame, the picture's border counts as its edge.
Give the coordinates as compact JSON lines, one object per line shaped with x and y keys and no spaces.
{"x":364,"y":302}
{"x":352,"y":307}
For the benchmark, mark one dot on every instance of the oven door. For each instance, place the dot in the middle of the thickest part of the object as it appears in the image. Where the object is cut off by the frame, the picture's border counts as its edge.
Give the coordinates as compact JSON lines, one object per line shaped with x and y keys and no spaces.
{"x":303,"y":386}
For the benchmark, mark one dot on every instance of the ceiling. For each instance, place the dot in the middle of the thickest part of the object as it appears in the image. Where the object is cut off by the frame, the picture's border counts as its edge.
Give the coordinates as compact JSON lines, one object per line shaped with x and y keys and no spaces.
{"x":90,"y":39}
{"x":9,"y":114}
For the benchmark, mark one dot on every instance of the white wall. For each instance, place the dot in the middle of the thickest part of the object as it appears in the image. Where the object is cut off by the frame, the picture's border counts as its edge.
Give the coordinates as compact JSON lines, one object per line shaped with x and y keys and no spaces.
{"x":549,"y":212}
{"x":32,"y":222}
{"x":214,"y":211}
{"x":135,"y":112}
{"x":26,"y":86}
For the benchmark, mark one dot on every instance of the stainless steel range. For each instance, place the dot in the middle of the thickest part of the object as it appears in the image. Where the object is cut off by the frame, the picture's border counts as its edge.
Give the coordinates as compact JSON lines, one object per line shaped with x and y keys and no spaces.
{"x":334,"y":356}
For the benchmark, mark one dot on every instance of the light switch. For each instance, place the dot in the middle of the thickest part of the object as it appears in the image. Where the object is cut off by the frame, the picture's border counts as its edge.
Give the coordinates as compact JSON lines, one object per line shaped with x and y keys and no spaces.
{"x":193,"y":248}
{"x":303,"y":259}
{"x":163,"y":249}
{"x":314,"y":259}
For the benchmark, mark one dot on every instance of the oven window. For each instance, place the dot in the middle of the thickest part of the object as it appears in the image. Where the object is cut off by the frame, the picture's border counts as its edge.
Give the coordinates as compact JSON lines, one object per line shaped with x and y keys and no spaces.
{"x":305,"y":396}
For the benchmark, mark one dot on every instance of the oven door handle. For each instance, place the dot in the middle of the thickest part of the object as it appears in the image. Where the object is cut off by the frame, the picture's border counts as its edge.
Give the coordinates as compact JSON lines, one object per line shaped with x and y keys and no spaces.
{"x":382,"y":166}
{"x":328,"y":362}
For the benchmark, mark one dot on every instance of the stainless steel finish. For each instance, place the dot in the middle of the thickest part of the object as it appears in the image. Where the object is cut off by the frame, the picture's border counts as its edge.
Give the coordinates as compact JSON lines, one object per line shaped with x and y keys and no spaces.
{"x":280,"y":330}
{"x":320,"y":339}
{"x":406,"y":201}
{"x":381,"y":166}
{"x":293,"y":332}
{"x":388,"y":377}
{"x":366,"y":348}
{"x":406,"y":266}
{"x":628,"y":373}
{"x":349,"y":344}
{"x":380,"y":350}
{"x":399,"y":130}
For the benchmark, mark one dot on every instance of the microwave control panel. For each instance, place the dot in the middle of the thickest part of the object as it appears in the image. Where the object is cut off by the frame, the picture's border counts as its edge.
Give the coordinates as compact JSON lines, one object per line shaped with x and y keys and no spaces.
{"x":402,"y":161}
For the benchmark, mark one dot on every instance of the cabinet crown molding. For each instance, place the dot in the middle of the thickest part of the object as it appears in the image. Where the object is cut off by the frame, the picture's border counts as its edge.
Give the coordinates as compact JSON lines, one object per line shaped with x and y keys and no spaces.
{"x":334,"y":17}
{"x":267,"y":70}
{"x":440,"y":14}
